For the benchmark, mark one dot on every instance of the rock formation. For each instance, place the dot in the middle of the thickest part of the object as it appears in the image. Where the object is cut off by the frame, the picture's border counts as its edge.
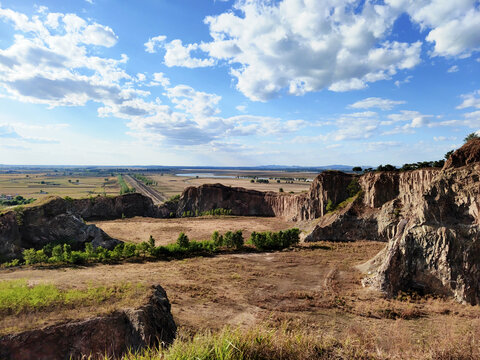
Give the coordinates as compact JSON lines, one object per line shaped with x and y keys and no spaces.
{"x":110,"y":335}
{"x":63,"y":220}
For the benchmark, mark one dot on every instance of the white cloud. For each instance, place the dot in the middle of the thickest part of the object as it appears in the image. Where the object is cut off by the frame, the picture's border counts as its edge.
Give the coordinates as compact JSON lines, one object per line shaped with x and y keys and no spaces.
{"x":178,"y":55}
{"x":470,"y":100}
{"x":307,"y":46}
{"x":297,"y":46}
{"x":453,"y":69}
{"x":414,"y":120}
{"x":49,"y":58}
{"x":241,"y":108}
{"x":160,"y":79}
{"x":375,"y":102}
{"x":153,"y":43}
{"x":398,"y":83}
{"x":453,"y":25}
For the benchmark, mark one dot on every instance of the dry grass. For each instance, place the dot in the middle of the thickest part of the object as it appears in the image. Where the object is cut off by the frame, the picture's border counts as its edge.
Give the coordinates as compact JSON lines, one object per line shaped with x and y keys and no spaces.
{"x":31,"y":186}
{"x":171,"y":185}
{"x":165,"y":231}
{"x":315,"y":290}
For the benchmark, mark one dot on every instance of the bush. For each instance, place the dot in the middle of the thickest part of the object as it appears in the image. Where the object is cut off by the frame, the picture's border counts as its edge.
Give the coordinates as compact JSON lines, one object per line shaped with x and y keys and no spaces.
{"x":233,"y":239}
{"x":353,"y":188}
{"x":183,"y":240}
{"x":330,"y":206}
{"x":275,"y":241}
{"x":217,"y":238}
{"x":129,"y":250}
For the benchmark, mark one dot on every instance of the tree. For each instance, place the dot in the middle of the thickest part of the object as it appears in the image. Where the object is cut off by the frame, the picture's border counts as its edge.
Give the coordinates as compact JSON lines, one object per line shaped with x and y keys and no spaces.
{"x":357,"y":169}
{"x":471,"y":136}
{"x":183,"y":240}
{"x":448,"y":154}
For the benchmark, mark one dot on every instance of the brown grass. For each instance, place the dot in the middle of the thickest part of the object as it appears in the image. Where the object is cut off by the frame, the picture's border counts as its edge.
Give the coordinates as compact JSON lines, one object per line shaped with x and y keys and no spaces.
{"x":172,"y":185}
{"x":166,"y":231}
{"x":29,"y":187}
{"x":314,"y":289}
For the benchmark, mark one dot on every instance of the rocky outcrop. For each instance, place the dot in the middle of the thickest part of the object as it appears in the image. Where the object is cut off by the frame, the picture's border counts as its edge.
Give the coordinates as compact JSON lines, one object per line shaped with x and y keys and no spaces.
{"x":466,"y":155}
{"x":110,"y":208}
{"x":328,"y":186}
{"x":435,"y":245}
{"x":110,"y":335}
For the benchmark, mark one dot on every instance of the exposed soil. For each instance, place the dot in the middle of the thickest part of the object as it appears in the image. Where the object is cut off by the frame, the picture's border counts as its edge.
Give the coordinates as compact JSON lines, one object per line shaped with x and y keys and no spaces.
{"x":315,"y":286}
{"x":166,"y":231}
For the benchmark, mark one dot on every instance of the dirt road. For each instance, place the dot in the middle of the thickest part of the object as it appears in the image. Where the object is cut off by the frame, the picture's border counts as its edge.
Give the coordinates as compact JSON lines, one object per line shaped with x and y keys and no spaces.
{"x":143,"y":189}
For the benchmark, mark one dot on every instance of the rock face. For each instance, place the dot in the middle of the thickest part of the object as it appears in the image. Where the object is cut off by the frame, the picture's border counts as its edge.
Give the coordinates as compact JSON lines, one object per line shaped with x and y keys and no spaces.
{"x":111,"y":335}
{"x":110,"y":208}
{"x":329,"y":185}
{"x":61,"y":220}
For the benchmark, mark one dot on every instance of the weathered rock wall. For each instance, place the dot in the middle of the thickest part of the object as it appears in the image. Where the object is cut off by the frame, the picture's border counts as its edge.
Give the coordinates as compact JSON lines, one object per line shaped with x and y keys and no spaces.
{"x":110,"y":335}
{"x":436,"y":243}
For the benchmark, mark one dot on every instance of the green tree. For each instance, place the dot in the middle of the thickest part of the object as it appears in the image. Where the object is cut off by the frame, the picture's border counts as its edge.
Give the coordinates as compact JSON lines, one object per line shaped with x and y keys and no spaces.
{"x":357,"y":169}
{"x":183,"y":240}
{"x":67,"y":252}
{"x":471,"y":136}
{"x":448,"y":154}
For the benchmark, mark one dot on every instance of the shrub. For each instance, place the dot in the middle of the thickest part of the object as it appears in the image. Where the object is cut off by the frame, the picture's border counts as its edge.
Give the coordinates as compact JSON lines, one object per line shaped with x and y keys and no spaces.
{"x":233,"y":239}
{"x":353,"y":188}
{"x":89,"y":252}
{"x":275,"y":241}
{"x":183,"y":240}
{"x":217,"y":238}
{"x":128,"y":250}
{"x":330,"y":206}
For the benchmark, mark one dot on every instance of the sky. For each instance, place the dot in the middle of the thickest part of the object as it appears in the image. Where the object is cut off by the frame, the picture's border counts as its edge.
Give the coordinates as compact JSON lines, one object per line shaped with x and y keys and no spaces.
{"x":237,"y":82}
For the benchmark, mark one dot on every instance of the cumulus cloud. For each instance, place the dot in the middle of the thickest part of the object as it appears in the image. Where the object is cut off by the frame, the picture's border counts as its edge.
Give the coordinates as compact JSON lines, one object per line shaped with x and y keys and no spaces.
{"x":470,"y":100}
{"x":453,"y":26}
{"x":413,"y":120}
{"x":297,"y":46}
{"x":176,"y":54}
{"x":153,"y":43}
{"x":375,"y":102}
{"x":49,"y":61}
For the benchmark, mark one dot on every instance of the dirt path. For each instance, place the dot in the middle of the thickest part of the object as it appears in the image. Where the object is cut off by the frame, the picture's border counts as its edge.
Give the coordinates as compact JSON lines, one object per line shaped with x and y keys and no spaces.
{"x":157,"y":197}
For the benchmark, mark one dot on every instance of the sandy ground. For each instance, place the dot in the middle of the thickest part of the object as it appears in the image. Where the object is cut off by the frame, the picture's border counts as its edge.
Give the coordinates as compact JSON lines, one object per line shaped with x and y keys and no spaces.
{"x":165,"y":231}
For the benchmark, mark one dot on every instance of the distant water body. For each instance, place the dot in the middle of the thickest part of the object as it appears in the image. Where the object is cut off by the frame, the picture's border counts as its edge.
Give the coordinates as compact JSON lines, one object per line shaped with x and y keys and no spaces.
{"x":206,"y":175}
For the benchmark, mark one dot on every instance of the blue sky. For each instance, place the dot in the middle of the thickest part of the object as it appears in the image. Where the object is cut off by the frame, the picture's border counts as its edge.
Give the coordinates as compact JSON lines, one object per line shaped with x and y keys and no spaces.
{"x":237,"y":83}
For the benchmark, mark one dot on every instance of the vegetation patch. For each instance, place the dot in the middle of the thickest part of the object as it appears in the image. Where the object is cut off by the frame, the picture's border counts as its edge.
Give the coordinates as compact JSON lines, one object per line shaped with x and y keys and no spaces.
{"x":124,"y":188}
{"x":17,"y":296}
{"x":275,"y":240}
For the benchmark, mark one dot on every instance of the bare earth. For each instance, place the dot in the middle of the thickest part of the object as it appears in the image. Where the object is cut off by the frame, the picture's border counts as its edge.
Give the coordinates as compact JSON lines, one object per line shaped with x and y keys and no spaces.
{"x":166,"y":231}
{"x":315,"y":287}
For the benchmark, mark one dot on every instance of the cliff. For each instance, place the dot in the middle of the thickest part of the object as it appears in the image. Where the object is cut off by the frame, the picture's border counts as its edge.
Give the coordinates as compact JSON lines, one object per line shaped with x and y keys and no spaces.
{"x":61,"y":220}
{"x":107,"y":336}
{"x":436,"y":243}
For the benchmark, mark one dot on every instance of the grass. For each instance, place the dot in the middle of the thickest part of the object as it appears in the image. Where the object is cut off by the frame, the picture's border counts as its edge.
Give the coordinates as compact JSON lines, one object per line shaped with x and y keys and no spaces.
{"x":17,"y":296}
{"x":41,"y":184}
{"x":293,"y":343}
{"x":124,"y":188}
